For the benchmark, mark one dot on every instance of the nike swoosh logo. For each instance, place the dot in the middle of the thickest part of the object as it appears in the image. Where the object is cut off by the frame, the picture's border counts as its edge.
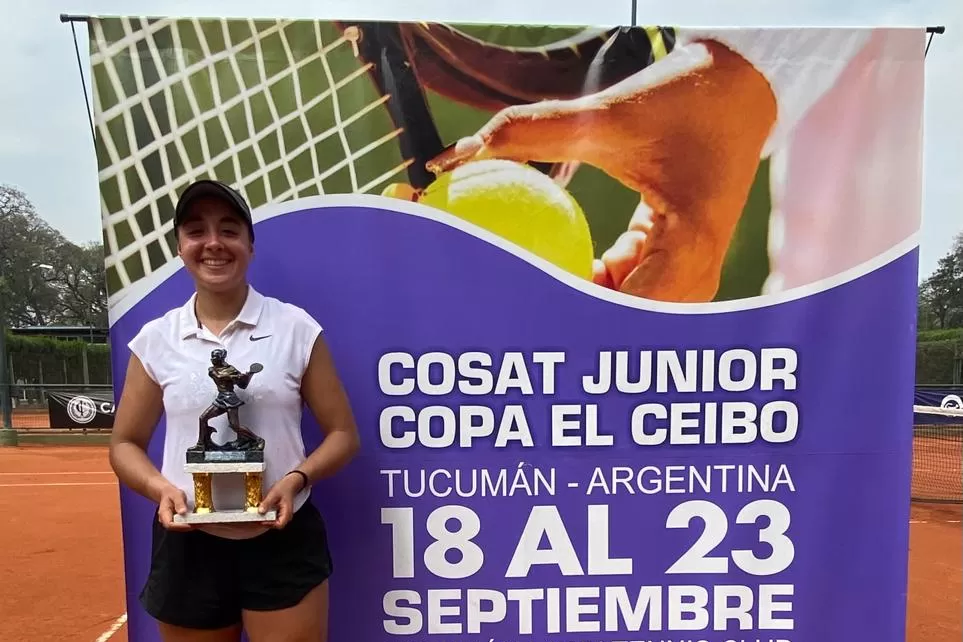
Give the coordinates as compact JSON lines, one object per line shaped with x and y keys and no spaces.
{"x":259,"y":338}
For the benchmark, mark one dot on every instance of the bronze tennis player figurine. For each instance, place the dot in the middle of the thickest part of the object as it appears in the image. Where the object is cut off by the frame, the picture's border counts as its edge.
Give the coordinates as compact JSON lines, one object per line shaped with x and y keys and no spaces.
{"x":244,"y":455}
{"x":225,"y":377}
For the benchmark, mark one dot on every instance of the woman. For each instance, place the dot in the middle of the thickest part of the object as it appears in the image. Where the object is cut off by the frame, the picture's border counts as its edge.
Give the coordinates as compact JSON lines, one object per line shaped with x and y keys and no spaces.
{"x":208,"y":582}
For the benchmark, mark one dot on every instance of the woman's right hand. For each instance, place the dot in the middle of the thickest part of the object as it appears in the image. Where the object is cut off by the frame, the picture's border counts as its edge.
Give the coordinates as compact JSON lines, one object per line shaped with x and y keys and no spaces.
{"x":172,"y":501}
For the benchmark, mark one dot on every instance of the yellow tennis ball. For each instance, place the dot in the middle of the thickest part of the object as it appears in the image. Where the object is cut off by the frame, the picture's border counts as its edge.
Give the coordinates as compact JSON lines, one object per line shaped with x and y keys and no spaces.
{"x":401,"y":191}
{"x":520,"y":204}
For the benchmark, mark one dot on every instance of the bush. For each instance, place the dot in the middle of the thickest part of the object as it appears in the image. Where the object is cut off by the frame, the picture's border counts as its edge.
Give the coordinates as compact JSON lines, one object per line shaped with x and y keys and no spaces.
{"x":57,"y":361}
{"x":938,"y":361}
{"x":926,"y":336}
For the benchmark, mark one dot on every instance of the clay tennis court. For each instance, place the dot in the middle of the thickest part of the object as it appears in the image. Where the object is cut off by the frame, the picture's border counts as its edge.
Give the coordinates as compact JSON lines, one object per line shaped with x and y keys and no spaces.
{"x":63,"y":575}
{"x":937,"y":462}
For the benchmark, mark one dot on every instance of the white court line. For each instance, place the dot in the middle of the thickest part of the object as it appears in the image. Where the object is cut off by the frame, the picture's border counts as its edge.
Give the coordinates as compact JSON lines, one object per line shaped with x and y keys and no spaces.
{"x":109,"y":633}
{"x":939,"y":521}
{"x":61,"y":484}
{"x":86,"y":472}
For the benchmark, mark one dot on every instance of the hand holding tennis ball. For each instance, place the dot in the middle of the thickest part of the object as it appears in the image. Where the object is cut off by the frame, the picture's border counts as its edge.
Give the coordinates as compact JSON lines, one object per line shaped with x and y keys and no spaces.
{"x":517,"y":203}
{"x":685,"y":133}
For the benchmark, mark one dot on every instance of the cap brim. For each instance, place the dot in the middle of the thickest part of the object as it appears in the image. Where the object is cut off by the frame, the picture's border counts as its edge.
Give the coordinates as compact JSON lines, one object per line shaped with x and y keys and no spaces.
{"x":209,"y":189}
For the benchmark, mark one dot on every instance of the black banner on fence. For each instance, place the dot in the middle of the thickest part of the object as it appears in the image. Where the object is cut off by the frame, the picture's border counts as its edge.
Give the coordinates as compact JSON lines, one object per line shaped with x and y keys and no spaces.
{"x":948,"y":397}
{"x":80,"y":410}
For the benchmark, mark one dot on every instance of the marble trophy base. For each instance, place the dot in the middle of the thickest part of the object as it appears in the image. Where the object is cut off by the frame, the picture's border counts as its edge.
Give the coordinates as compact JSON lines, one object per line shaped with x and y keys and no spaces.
{"x":202,"y":465}
{"x":224,"y":456}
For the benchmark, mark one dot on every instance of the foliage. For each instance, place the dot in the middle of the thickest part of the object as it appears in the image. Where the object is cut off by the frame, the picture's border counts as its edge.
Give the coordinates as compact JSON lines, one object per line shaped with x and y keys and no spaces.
{"x":949,"y":334}
{"x":941,"y":293}
{"x":57,"y":361}
{"x":44,"y":278}
{"x":939,"y":349}
{"x":937,"y":361}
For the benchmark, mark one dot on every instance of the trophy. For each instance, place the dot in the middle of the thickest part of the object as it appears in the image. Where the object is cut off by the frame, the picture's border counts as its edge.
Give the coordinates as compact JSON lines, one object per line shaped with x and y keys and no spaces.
{"x":244,"y":455}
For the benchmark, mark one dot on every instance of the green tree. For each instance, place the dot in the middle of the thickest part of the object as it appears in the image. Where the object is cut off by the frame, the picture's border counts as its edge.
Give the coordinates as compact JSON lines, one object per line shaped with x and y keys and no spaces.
{"x":941,"y":294}
{"x":25,"y":243}
{"x":44,"y":278}
{"x":78,"y":275}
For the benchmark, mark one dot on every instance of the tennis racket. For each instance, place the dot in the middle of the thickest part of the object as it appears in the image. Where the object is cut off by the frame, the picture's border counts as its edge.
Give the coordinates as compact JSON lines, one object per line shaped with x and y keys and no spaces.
{"x":286,"y":109}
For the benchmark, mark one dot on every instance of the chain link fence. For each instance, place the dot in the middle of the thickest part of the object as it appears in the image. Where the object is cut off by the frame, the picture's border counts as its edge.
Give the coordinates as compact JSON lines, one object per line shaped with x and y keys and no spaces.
{"x":57,"y":407}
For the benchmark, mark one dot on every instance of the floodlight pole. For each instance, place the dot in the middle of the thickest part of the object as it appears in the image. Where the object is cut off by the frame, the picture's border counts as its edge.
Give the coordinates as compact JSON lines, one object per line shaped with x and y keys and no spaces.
{"x":633,"y":21}
{"x":8,"y":436}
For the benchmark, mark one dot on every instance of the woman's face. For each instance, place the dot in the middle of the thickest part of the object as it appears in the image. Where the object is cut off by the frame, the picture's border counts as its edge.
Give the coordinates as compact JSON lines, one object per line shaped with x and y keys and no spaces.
{"x":214,"y":243}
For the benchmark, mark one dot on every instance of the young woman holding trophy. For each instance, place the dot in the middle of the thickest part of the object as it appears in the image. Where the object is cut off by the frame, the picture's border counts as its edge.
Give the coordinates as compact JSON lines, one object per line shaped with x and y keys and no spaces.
{"x":210,"y":578}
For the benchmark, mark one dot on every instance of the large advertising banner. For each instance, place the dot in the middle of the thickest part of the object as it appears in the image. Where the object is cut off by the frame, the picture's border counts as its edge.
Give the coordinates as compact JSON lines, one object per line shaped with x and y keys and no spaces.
{"x":626,"y":315}
{"x":80,"y":409}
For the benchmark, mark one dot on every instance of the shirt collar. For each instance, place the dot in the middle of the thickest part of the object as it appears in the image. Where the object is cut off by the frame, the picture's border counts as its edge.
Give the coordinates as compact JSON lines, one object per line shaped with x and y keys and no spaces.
{"x":250,"y":313}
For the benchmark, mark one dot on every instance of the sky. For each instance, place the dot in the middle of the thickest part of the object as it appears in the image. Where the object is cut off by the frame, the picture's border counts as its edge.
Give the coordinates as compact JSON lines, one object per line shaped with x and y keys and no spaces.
{"x":46,"y":148}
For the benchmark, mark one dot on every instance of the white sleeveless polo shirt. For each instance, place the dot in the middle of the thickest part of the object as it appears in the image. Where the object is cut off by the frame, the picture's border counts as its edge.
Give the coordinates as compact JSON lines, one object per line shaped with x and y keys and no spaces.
{"x":176,"y":352}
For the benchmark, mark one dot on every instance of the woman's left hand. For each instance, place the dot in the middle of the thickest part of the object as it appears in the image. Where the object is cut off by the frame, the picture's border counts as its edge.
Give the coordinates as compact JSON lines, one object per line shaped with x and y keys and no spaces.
{"x":281,"y":497}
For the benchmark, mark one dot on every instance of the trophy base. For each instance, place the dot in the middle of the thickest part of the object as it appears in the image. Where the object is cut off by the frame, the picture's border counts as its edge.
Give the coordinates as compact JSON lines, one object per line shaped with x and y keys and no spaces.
{"x":204,"y":510}
{"x":224,"y":456}
{"x":232,"y":516}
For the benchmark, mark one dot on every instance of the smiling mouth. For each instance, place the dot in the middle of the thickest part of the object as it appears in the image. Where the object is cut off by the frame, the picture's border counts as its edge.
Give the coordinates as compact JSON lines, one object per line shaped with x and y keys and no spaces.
{"x":215,"y":262}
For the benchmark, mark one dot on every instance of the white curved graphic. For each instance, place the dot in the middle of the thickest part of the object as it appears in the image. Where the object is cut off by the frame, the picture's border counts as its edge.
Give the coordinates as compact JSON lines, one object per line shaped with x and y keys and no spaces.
{"x":81,"y":410}
{"x":952,"y":401}
{"x":141,"y":288}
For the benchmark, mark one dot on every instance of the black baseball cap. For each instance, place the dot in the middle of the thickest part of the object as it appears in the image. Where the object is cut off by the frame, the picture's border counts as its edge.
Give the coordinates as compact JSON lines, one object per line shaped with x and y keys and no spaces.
{"x":207,"y":188}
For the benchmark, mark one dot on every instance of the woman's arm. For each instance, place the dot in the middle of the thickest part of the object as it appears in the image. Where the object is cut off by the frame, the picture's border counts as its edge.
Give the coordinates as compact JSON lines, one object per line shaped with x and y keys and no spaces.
{"x":140,"y":408}
{"x":325,"y":396}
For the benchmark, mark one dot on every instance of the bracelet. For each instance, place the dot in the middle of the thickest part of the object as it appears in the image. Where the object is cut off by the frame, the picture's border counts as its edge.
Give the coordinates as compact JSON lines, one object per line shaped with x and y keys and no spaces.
{"x":304,"y":477}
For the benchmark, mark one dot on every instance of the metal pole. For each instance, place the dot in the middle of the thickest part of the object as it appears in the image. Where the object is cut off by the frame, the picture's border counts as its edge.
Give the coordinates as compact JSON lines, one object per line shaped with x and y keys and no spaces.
{"x":933,"y":31}
{"x":6,"y":408}
{"x":958,"y":363}
{"x":8,"y":436}
{"x":83,"y":85}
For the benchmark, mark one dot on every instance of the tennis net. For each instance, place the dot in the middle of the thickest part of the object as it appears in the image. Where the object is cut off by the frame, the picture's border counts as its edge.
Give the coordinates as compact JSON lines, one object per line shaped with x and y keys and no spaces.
{"x":281,"y":109}
{"x":937,"y":454}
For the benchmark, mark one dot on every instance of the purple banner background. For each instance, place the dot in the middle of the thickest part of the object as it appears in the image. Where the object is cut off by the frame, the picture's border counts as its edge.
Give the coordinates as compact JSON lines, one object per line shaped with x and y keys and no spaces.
{"x":380,"y":281}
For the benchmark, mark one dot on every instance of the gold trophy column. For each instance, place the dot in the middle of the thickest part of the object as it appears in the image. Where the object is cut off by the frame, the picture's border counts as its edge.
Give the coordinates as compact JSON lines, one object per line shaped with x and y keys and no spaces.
{"x":202,"y":493}
{"x":229,"y":509}
{"x":252,"y":487}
